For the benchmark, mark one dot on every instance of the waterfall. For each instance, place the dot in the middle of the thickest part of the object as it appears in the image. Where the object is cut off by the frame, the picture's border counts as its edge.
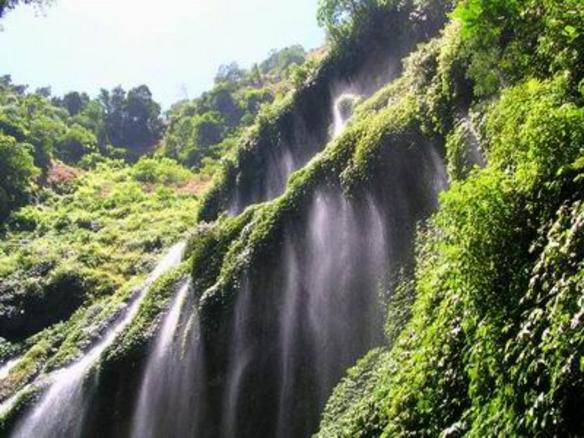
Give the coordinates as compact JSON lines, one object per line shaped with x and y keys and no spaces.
{"x":280,"y":165}
{"x":342,"y":112}
{"x":281,"y":161}
{"x":474,"y":154}
{"x":169,"y":398}
{"x":62,"y":409}
{"x":300,"y":323}
{"x":331,"y":312}
{"x":240,"y":357}
{"x":7,"y":367}
{"x":324,"y":315}
{"x":278,"y":174}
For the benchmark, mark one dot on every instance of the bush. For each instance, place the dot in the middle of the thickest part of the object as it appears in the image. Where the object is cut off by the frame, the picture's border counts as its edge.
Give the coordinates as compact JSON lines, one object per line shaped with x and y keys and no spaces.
{"x":75,"y":144}
{"x":160,"y":171}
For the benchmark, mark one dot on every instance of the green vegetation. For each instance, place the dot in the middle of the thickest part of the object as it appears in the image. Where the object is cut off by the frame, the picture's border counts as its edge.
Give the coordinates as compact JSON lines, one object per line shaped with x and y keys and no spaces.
{"x":494,"y":343}
{"x":342,"y":18}
{"x":301,"y":121}
{"x":69,"y":264}
{"x":6,"y":5}
{"x":107,"y":226}
{"x":17,"y":168}
{"x":207,"y":128}
{"x":484,"y":327}
{"x":75,"y":130}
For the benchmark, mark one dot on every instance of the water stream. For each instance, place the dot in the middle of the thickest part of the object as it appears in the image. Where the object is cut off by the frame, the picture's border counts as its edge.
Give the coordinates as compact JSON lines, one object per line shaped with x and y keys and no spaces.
{"x":324,"y":313}
{"x":342,"y":112}
{"x":282,"y":161}
{"x":296,"y":330}
{"x":62,"y":408}
{"x":169,"y":398}
{"x":7,"y":367}
{"x":332,"y":311}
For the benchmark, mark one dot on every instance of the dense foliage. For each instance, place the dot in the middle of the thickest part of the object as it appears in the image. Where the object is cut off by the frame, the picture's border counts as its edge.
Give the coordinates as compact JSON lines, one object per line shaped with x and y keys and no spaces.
{"x":493,"y":346}
{"x":208,"y":127}
{"x":103,"y":229}
{"x":484,"y":326}
{"x":17,"y":168}
{"x":6,"y":5}
{"x":74,"y":129}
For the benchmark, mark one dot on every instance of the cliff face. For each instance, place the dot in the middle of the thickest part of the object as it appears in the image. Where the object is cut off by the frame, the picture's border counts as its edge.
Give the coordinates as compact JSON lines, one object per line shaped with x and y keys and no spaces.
{"x":481,"y":299}
{"x":420,"y":273}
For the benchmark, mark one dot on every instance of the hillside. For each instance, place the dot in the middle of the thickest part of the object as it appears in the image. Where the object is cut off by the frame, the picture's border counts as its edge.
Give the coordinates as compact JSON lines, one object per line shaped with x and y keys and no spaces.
{"x":391,"y":246}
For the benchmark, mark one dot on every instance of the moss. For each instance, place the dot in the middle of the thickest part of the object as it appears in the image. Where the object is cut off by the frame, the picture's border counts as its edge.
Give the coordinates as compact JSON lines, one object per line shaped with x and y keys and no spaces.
{"x":380,"y":140}
{"x":60,"y":346}
{"x":144,"y":325}
{"x":208,"y":247}
{"x":484,"y":336}
{"x":24,"y":400}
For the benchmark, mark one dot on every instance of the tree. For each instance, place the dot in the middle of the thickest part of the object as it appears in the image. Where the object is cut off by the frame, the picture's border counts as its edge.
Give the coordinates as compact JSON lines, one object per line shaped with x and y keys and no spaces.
{"x":198,"y":134}
{"x":6,"y":5}
{"x":6,"y":82}
{"x":74,"y":102}
{"x":16,"y":172}
{"x":229,"y":73}
{"x":92,"y":117}
{"x":75,"y":143}
{"x":132,"y":119}
{"x":114,"y":115}
{"x":142,"y":118}
{"x":279,"y":61}
{"x":221,"y":99}
{"x":43,"y":133}
{"x":341,"y":17}
{"x":44,"y":91}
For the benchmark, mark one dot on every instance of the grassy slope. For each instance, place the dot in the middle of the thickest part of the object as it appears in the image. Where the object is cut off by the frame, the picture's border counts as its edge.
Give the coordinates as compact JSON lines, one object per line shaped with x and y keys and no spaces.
{"x":95,"y":242}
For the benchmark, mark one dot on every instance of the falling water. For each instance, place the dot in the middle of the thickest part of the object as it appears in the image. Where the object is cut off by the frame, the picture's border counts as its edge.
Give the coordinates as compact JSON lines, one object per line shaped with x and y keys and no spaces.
{"x":7,"y":367}
{"x":299,"y":324}
{"x":170,"y":390}
{"x":61,"y":410}
{"x":281,"y":164}
{"x":327,"y":314}
{"x":342,"y":111}
{"x":474,"y":154}
{"x":241,"y":354}
{"x":284,"y":159}
{"x":278,"y":174}
{"x":331,"y":310}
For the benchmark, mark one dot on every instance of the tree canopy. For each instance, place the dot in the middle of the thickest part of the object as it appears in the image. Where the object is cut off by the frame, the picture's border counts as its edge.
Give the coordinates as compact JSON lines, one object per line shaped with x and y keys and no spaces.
{"x":340,"y":17}
{"x":6,"y":5}
{"x":16,"y":170}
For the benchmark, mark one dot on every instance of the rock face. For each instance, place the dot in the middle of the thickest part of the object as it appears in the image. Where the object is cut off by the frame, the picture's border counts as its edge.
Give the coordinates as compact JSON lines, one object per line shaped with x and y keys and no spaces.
{"x":28,"y":306}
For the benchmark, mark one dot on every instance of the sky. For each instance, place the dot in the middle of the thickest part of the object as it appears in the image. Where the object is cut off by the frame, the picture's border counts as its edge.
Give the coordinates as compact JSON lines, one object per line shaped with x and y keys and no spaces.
{"x":173,"y":46}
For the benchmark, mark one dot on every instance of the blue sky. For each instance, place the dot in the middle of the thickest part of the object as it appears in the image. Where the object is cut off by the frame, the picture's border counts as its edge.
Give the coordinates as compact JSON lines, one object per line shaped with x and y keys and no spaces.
{"x":173,"y":46}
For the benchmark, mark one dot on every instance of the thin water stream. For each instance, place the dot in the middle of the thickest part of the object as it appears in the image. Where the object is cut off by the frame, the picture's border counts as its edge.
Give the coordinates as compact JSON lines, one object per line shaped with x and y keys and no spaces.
{"x":342,"y":112}
{"x":169,"y":398}
{"x":7,"y":367}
